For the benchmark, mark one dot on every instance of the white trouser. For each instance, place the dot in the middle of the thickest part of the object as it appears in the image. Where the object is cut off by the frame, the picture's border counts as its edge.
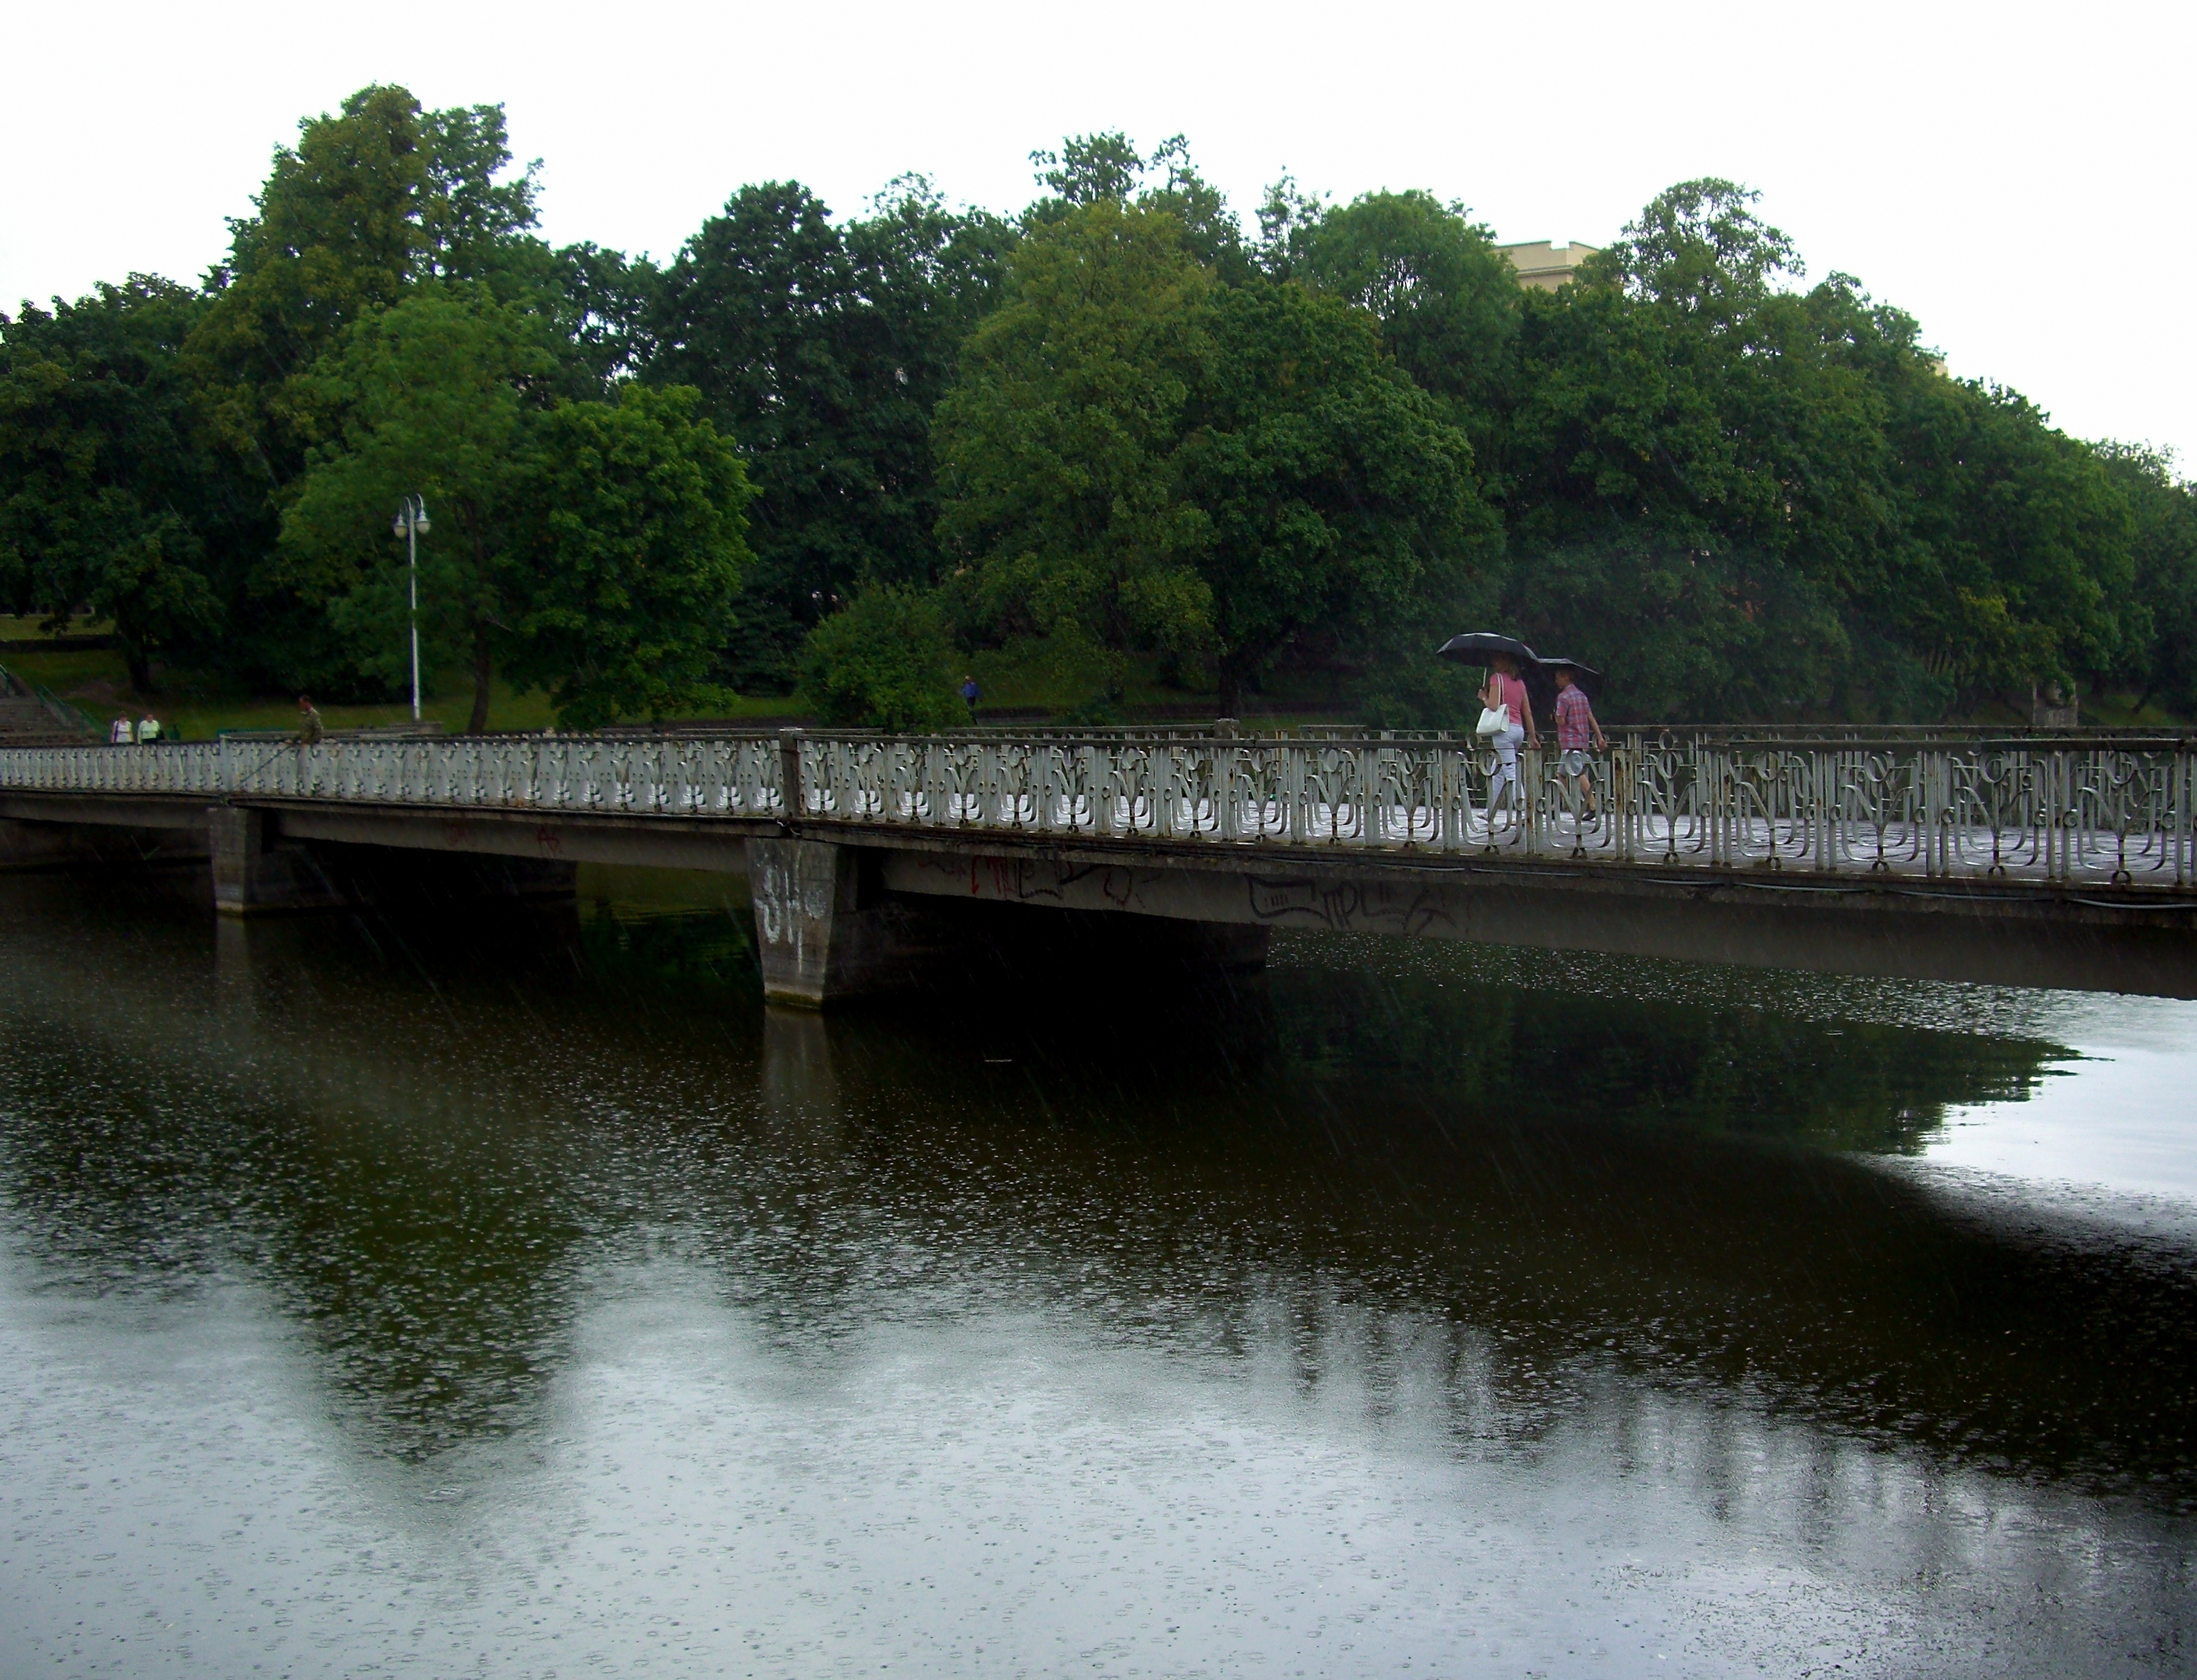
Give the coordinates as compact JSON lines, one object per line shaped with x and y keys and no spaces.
{"x":1506,"y":768}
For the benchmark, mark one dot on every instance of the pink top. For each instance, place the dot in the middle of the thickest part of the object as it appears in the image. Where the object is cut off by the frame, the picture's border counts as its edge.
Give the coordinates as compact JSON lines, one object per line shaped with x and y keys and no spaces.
{"x":1511,"y":690}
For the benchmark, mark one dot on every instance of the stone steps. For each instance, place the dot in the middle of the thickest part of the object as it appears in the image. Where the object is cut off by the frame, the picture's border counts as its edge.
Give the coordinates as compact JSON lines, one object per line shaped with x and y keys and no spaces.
{"x":26,"y":723}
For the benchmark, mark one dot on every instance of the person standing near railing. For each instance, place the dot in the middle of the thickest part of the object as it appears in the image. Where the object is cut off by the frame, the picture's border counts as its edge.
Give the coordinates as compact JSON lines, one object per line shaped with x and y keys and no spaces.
{"x":1505,"y":688}
{"x":1577,"y":730}
{"x":311,"y":729}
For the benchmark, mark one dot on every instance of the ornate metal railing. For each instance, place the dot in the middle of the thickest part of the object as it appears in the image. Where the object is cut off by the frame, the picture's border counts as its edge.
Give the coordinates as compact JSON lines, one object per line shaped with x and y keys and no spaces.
{"x":724,"y":777}
{"x":2116,"y":811}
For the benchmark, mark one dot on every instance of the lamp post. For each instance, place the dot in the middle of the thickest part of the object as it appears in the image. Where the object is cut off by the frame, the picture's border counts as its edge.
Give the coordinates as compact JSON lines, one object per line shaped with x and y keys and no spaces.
{"x":408,"y":525}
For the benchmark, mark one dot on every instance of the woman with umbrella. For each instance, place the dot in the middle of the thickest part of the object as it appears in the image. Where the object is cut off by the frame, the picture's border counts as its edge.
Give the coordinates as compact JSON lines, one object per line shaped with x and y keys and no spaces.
{"x":1506,"y":687}
{"x":1506,"y":659}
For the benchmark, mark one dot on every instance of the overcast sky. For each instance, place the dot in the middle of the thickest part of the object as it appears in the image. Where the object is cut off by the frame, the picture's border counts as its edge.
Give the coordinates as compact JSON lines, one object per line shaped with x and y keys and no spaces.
{"x":2017,"y":176}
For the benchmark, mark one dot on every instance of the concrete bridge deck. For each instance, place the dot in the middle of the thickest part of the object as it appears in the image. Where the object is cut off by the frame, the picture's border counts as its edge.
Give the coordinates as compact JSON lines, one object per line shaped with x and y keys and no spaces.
{"x":2034,"y":861}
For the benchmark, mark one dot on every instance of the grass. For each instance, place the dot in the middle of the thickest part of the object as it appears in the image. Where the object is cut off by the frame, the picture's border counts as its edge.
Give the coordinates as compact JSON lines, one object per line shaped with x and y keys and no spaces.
{"x":15,"y":629}
{"x":189,"y":709}
{"x":1013,"y":679}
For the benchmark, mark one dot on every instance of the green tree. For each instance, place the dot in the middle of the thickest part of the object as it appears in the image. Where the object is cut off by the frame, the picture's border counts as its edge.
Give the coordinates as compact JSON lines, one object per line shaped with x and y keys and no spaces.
{"x":1682,"y":413}
{"x":2161,"y":659}
{"x":601,"y":302}
{"x":2021,"y":561}
{"x":1056,"y":444}
{"x":1142,"y":457}
{"x":590,"y":548}
{"x":106,"y":494}
{"x":1895,"y":541}
{"x":372,"y":199}
{"x":822,"y":349}
{"x":632,"y":560}
{"x":1329,"y":492}
{"x":1107,"y":169}
{"x":376,"y":200}
{"x":433,"y":391}
{"x":883,"y":661}
{"x":1448,"y":301}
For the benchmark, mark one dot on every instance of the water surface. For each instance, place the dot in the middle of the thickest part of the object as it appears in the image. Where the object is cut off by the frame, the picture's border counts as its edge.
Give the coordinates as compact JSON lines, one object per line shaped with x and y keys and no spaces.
{"x":510,"y":1292}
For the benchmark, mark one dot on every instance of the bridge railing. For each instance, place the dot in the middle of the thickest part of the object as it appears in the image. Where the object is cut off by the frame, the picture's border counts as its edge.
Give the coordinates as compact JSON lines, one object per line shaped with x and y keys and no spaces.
{"x":2115,"y":811}
{"x":722,"y":778}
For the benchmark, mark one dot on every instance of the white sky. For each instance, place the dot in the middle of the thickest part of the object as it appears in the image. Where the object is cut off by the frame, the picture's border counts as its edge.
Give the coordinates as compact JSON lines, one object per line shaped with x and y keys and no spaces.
{"x":2017,"y":176}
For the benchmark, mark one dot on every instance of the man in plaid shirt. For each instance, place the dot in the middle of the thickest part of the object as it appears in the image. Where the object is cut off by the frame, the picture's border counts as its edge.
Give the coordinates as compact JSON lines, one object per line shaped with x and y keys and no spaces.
{"x":1576,"y":729}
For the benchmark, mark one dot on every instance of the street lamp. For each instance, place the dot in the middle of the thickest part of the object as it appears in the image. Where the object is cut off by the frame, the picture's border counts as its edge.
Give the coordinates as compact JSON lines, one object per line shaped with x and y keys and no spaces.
{"x":410,"y":525}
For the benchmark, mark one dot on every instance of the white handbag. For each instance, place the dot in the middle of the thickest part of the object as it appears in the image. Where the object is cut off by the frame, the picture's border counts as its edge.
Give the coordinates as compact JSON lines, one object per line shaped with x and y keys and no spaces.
{"x":1493,"y":720}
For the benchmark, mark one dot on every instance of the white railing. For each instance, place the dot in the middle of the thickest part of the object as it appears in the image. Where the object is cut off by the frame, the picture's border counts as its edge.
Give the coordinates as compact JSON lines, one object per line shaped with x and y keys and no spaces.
{"x":688,"y":777}
{"x":2116,"y":812}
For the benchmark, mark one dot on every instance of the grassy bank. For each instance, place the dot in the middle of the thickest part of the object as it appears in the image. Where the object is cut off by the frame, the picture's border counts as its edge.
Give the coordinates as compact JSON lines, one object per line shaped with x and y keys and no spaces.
{"x":1014,"y":686}
{"x":98,"y":683}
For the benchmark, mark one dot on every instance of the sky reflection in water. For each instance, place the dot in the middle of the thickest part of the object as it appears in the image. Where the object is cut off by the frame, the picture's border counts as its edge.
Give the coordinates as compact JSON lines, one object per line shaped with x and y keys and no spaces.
{"x":513,"y":1291}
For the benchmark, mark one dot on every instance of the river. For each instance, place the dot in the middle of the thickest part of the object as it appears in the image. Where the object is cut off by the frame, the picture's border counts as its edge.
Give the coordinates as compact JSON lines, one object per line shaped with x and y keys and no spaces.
{"x":505,"y":1291}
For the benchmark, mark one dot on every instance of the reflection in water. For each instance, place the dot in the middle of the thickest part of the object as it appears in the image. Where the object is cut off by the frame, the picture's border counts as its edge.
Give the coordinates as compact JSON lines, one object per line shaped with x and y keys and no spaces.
{"x":1399,"y":1303}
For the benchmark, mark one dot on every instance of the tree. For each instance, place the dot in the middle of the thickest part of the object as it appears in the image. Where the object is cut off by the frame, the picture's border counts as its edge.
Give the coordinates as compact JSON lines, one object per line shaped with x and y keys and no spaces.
{"x":2163,"y":511}
{"x":1107,"y":169}
{"x":1694,"y":631}
{"x":1056,"y":443}
{"x":633,"y":556}
{"x":591,"y":548}
{"x":106,"y":495}
{"x":1448,"y":301}
{"x":433,"y":390}
{"x":1330,"y":491}
{"x":1681,"y":414}
{"x":2021,"y":558}
{"x":372,"y":199}
{"x":822,"y":349}
{"x":375,"y":200}
{"x":600,"y":304}
{"x":1143,"y":457}
{"x":883,"y":661}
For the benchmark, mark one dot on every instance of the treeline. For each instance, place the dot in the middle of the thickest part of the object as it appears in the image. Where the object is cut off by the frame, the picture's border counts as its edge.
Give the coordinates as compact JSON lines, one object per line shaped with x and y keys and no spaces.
{"x":1117,"y":433}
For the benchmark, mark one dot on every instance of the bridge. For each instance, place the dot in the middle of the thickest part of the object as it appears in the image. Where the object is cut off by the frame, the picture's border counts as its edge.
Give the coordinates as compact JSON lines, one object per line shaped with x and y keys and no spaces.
{"x":2038,"y":859}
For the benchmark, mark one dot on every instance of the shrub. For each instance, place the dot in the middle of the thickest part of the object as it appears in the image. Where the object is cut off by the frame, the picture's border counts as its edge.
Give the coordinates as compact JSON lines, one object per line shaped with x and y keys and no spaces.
{"x":883,"y":661}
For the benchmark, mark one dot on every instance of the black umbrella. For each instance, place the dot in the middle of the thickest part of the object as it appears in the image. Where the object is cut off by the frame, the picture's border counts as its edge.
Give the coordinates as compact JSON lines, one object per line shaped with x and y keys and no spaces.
{"x":1477,"y":647}
{"x":1586,"y":675}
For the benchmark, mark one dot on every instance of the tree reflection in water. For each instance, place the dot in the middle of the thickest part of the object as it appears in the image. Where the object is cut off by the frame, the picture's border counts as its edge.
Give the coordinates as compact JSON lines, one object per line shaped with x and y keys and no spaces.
{"x":424,"y":1134}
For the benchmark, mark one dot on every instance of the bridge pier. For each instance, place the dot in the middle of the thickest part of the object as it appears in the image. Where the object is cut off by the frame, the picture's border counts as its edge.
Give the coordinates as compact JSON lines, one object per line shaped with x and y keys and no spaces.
{"x":255,"y":873}
{"x":823,"y":931}
{"x":830,"y":925}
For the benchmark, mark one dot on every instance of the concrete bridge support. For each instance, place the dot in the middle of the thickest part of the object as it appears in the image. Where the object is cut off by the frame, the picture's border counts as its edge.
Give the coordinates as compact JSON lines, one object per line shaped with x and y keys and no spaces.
{"x":255,"y":872}
{"x":831,"y":925}
{"x":823,"y":931}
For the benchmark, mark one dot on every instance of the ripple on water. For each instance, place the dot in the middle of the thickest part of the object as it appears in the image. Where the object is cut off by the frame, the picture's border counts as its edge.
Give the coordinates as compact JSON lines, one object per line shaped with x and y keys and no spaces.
{"x":514,"y":1291}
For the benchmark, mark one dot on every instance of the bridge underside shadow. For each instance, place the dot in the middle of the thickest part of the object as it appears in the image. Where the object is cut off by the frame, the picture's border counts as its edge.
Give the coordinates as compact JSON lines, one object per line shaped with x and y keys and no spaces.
{"x":840,"y":917}
{"x":1978,"y":937}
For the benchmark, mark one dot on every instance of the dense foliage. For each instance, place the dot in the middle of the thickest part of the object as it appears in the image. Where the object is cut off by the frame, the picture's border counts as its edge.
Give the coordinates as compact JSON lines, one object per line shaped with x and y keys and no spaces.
{"x":1113,"y":434}
{"x":216,"y":470}
{"x":884,"y":661}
